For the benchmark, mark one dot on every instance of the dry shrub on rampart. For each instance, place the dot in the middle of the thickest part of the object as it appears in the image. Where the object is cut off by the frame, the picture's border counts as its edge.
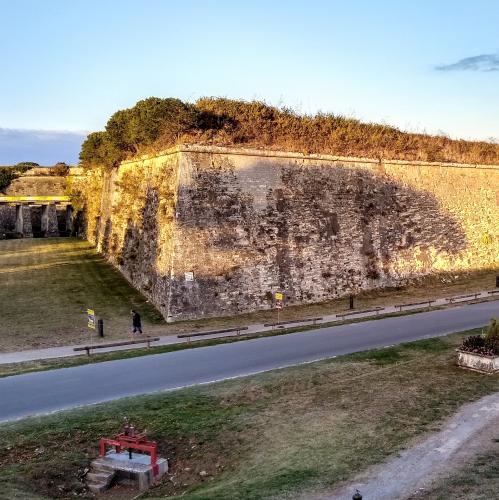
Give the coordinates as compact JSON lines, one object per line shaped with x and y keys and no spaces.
{"x":155,"y":124}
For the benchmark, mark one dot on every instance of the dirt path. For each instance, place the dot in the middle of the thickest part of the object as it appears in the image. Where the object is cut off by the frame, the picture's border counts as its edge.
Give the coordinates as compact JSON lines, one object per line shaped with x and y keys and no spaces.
{"x":468,"y":433}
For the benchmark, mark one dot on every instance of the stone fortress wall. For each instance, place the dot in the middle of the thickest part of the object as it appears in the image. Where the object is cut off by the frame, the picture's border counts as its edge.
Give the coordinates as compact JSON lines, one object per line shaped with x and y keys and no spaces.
{"x":36,"y":182}
{"x":210,"y":231}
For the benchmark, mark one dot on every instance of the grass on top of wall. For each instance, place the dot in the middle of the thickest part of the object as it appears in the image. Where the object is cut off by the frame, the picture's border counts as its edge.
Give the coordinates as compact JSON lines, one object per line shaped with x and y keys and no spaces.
{"x":154,"y":124}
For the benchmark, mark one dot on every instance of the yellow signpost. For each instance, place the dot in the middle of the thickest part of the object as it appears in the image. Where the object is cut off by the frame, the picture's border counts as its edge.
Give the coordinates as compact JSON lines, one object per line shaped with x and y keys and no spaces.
{"x":91,"y":318}
{"x":279,"y":303}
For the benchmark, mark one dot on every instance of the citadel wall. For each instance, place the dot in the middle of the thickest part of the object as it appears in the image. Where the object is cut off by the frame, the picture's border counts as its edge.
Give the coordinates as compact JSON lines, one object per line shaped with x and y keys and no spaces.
{"x":36,"y":182}
{"x":207,"y":231}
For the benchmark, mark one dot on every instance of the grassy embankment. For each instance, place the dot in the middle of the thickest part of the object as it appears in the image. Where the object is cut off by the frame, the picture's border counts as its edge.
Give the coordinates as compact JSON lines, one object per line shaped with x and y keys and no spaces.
{"x":290,"y":430}
{"x":47,"y":284}
{"x":154,"y":124}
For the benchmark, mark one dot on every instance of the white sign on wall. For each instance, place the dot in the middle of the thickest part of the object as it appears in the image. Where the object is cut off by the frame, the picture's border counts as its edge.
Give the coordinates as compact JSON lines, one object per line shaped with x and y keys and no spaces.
{"x":189,"y":276}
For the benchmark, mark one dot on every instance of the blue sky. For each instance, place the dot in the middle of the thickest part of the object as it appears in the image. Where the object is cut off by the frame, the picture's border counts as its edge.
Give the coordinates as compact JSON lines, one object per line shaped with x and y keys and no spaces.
{"x":66,"y":66}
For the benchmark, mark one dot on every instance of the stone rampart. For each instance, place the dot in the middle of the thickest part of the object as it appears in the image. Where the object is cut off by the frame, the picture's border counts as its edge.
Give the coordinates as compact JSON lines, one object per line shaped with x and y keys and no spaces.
{"x":207,"y":231}
{"x":34,"y":183}
{"x":37,"y":190}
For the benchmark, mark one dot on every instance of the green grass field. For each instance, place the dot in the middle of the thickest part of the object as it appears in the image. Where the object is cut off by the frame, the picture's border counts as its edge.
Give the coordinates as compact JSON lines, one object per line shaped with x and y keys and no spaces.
{"x":273,"y":435}
{"x":46,"y":287}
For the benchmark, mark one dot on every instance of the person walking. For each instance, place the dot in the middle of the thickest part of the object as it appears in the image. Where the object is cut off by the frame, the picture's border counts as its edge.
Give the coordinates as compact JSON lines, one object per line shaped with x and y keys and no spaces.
{"x":136,"y":323}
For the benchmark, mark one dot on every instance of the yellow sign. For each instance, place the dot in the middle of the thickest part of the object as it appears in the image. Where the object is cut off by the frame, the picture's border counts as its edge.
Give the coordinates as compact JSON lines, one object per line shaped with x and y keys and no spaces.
{"x":279,"y":296}
{"x":91,"y":318}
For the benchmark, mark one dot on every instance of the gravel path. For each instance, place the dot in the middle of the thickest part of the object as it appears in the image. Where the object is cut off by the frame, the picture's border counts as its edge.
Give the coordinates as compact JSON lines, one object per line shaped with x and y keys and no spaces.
{"x":469,"y":432}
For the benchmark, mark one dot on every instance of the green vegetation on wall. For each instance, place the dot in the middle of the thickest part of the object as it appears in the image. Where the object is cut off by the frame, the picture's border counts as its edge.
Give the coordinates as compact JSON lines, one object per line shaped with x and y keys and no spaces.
{"x":155,"y":124}
{"x":131,"y":130}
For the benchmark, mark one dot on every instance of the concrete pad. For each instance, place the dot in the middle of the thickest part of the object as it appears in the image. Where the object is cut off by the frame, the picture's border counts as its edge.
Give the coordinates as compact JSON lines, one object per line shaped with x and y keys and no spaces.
{"x":137,"y":470}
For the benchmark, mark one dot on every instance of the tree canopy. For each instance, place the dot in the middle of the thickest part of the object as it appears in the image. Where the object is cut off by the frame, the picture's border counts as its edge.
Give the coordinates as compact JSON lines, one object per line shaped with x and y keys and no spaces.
{"x":130,"y":130}
{"x":60,"y":169}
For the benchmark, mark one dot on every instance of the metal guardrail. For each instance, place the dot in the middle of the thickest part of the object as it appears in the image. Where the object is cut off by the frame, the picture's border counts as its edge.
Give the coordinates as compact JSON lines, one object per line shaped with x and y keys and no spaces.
{"x":33,"y":199}
{"x":239,"y":329}
{"x":89,"y":348}
{"x":291,"y":321}
{"x":188,"y":336}
{"x":459,"y":297}
{"x":424,"y":302}
{"x":352,"y":313}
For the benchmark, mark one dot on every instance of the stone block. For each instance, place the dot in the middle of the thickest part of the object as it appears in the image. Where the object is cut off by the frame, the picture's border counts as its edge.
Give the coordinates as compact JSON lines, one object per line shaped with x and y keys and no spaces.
{"x":137,"y":470}
{"x":477,"y":362}
{"x":49,"y":223}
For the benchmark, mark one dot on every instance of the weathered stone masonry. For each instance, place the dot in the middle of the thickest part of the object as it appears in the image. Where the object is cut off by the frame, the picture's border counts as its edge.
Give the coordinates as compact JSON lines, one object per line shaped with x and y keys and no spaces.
{"x":24,"y":213}
{"x":246,"y":223}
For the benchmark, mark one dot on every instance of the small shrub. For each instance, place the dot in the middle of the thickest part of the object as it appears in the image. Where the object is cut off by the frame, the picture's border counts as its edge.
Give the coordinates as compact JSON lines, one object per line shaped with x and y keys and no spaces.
{"x":493,"y":330}
{"x":7,"y":175}
{"x":473,"y":343}
{"x":60,"y":169}
{"x":480,"y":345}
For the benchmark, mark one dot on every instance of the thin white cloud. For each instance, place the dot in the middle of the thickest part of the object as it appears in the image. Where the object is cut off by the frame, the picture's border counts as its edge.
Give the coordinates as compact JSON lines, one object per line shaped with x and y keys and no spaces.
{"x":481,"y":62}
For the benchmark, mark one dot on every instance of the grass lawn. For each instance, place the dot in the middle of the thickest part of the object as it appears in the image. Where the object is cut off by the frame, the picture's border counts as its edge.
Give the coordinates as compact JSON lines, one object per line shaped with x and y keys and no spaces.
{"x":47,"y":285}
{"x":479,"y":480}
{"x":275,"y":434}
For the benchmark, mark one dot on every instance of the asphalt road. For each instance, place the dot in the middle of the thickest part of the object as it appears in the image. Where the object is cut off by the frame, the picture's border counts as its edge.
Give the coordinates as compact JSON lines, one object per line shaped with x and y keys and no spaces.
{"x":45,"y":392}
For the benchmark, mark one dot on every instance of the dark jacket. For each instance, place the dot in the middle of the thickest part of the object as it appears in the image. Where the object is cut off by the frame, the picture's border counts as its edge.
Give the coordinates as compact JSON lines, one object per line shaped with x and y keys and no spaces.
{"x":136,"y":320}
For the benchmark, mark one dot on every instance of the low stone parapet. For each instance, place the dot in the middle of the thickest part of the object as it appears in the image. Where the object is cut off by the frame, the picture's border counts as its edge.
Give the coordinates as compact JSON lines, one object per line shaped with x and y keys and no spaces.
{"x":478,"y":362}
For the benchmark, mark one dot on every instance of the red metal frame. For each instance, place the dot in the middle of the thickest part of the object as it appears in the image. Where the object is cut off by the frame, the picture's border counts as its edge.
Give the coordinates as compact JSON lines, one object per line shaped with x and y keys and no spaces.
{"x":138,"y":442}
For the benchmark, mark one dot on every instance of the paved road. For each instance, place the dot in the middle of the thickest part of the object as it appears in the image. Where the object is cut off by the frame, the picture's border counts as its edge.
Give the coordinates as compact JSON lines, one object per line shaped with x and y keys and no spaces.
{"x":45,"y":392}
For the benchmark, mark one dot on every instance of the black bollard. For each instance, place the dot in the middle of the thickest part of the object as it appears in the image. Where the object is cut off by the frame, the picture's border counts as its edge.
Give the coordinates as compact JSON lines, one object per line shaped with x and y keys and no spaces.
{"x":100,"y":327}
{"x":357,"y":495}
{"x":351,"y":301}
{"x":497,"y":281}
